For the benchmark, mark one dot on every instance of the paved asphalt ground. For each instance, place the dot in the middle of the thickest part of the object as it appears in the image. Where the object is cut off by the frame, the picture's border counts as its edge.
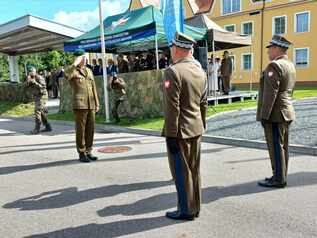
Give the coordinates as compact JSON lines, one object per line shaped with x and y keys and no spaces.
{"x":45,"y":192}
{"x":242,"y":124}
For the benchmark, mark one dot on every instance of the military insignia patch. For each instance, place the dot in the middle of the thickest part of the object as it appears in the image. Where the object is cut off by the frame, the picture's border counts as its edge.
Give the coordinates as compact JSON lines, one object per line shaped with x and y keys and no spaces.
{"x":167,"y":83}
{"x":270,"y":74}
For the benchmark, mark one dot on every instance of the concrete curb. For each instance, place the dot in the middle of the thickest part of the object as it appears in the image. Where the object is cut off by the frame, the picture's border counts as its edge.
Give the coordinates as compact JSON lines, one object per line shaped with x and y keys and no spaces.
{"x":298,"y":149}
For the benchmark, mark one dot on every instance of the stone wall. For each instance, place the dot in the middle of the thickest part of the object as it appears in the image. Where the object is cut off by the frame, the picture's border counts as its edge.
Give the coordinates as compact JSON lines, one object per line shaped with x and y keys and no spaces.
{"x":144,"y":94}
{"x":14,"y":92}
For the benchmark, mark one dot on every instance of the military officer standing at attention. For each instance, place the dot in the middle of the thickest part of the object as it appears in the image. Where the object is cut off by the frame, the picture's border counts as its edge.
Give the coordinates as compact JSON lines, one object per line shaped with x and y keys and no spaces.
{"x":275,"y":109}
{"x":185,"y":106}
{"x":38,"y":86}
{"x":85,"y":104}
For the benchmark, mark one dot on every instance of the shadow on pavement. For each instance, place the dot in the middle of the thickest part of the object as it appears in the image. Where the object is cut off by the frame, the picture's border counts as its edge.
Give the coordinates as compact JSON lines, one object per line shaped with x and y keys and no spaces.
{"x":21,"y":168}
{"x":72,"y":196}
{"x":69,"y":141}
{"x":162,"y":202}
{"x":113,"y":229}
{"x":209,"y":194}
{"x":131,"y":142}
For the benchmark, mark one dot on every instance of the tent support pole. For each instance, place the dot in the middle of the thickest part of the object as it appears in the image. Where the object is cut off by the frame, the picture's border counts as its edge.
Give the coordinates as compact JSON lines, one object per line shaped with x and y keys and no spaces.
{"x":103,"y":51}
{"x":208,"y":67}
{"x":156,"y":52}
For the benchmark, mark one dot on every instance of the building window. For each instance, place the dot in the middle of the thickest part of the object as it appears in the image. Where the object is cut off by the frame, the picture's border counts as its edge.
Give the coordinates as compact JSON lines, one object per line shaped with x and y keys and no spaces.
{"x":279,"y":25}
{"x":301,"y":57}
{"x":302,"y":22}
{"x":246,"y":62}
{"x":233,"y":61}
{"x":230,"y":6}
{"x":231,"y":28}
{"x":247,"y":28}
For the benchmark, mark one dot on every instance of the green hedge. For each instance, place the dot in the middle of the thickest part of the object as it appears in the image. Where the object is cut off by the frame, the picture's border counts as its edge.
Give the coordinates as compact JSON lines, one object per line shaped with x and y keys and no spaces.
{"x":14,"y":92}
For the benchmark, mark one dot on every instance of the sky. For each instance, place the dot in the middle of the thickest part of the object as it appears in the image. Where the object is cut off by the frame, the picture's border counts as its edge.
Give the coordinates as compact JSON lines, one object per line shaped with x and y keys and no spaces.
{"x":81,"y":14}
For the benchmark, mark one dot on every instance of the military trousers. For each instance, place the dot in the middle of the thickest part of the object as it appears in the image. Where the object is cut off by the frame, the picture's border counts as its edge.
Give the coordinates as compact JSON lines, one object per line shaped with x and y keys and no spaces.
{"x":276,"y":135}
{"x":226,"y":83}
{"x":184,"y":161}
{"x":115,"y":109}
{"x":85,"y":128}
{"x":40,"y":112}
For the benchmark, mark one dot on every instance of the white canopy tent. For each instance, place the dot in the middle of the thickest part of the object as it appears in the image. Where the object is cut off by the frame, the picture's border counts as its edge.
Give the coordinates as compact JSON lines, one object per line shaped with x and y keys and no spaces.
{"x":218,"y":37}
{"x":30,"y":34}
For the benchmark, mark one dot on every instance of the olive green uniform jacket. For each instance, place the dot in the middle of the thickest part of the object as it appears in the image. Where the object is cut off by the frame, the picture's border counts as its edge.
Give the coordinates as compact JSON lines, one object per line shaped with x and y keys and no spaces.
{"x":185,"y":99}
{"x":84,"y":88}
{"x":275,"y":94}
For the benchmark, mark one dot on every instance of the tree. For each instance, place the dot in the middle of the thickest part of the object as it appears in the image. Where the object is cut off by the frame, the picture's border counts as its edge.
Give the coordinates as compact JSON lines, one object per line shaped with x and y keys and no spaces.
{"x":41,"y":61}
{"x":4,"y":68}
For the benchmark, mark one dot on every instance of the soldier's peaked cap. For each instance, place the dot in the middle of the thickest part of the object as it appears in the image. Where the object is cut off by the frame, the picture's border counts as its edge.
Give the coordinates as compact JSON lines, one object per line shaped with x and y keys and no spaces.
{"x":279,"y":41}
{"x":183,"y":41}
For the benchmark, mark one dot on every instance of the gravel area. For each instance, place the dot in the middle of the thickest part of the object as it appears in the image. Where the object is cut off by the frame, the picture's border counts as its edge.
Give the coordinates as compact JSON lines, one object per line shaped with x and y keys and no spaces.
{"x":242,"y":124}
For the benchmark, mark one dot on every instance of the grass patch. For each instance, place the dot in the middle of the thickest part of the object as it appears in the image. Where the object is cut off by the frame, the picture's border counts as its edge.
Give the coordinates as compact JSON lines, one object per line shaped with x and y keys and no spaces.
{"x":146,"y":123}
{"x":212,"y":110}
{"x":303,"y":92}
{"x":16,"y":109}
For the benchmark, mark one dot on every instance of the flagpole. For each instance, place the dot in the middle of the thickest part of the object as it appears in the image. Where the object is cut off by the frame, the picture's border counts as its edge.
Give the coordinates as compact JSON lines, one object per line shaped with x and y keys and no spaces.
{"x":104,"y":71}
{"x":156,"y":53}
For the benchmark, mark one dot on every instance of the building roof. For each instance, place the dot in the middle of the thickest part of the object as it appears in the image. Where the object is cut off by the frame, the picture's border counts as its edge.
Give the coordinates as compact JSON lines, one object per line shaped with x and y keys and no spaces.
{"x":155,"y":3}
{"x":30,"y":34}
{"x":197,"y":6}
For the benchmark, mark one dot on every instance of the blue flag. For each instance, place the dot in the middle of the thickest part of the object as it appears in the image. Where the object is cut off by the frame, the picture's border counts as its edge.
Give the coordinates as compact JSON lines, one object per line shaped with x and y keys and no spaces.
{"x":173,"y":18}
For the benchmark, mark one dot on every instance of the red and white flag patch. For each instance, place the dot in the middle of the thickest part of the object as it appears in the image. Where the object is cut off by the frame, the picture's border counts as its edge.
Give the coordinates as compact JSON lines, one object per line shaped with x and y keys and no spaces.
{"x":167,"y":83}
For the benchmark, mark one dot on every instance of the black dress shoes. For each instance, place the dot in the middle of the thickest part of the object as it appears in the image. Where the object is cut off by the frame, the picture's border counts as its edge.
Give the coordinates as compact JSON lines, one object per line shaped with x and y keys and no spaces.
{"x":268,"y":179}
{"x":176,"y":215}
{"x":83,"y":158}
{"x":272,"y":184}
{"x":91,"y":157}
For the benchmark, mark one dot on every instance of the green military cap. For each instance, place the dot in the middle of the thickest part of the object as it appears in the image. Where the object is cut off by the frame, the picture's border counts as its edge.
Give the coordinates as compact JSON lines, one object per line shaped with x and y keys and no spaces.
{"x":280,"y":41}
{"x":183,"y":41}
{"x":79,"y":52}
{"x":31,"y":69}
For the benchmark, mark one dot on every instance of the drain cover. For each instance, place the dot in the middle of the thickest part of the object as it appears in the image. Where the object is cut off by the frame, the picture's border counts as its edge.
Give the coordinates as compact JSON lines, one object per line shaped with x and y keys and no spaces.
{"x":114,"y":149}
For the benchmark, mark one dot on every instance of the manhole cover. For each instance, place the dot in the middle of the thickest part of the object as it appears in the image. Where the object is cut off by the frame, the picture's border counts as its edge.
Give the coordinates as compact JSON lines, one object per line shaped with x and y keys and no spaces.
{"x":114,"y":149}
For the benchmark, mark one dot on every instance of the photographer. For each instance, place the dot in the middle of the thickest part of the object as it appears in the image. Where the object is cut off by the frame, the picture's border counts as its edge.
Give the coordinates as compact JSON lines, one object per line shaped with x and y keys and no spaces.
{"x":118,"y":86}
{"x":38,"y":86}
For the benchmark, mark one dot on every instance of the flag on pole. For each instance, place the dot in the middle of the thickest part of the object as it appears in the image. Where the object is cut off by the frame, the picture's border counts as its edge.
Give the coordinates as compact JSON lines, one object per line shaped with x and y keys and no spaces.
{"x":173,"y":18}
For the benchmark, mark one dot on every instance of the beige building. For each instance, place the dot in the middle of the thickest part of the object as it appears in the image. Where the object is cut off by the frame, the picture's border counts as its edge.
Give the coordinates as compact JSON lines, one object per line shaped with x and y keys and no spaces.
{"x":294,"y":19}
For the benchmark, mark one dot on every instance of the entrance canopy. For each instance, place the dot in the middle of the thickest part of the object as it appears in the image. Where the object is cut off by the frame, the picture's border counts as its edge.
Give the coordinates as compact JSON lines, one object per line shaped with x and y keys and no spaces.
{"x":29,"y":34}
{"x":130,"y":31}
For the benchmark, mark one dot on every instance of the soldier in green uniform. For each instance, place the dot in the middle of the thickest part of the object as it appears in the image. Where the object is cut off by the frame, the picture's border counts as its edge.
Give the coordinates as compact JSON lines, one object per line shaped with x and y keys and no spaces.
{"x":118,"y":86}
{"x":185,"y":105}
{"x":275,"y":109}
{"x":38,"y":86}
{"x":85,"y":104}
